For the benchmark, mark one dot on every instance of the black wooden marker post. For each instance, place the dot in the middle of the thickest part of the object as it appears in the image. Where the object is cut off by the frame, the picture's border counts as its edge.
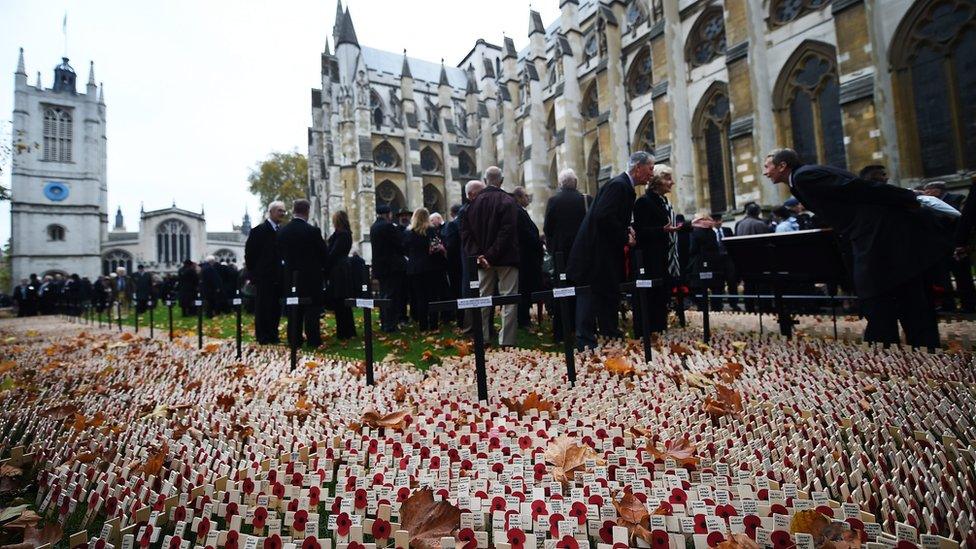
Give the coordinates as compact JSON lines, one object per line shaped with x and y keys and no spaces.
{"x":237,"y":306}
{"x":152,"y":320}
{"x":118,"y":314}
{"x":198,"y":303}
{"x":565,"y":309}
{"x":169,"y":305}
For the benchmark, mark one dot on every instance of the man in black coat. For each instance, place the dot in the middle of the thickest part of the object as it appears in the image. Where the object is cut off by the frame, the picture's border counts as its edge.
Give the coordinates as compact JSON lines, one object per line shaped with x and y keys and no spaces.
{"x":211,"y":287}
{"x":530,"y":257}
{"x":389,"y":266}
{"x":565,"y":211}
{"x":961,"y":271}
{"x":143,"y":283}
{"x":706,"y":262}
{"x":303,"y":253}
{"x":894,"y":243}
{"x":263,"y":264}
{"x":597,"y":256}
{"x":656,"y":231}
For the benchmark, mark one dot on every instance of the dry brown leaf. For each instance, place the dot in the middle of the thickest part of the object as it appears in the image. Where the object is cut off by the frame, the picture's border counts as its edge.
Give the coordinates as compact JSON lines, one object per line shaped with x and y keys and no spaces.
{"x":532,"y":401}
{"x":400,"y":393}
{"x":681,"y":450}
{"x":428,"y":521}
{"x":26,"y":519}
{"x":463,"y":348}
{"x":568,"y":457}
{"x":226,"y":402}
{"x":60,"y":412}
{"x":810,"y":522}
{"x":7,"y":365}
{"x":395,"y":420}
{"x":727,"y":401}
{"x":737,"y":541}
{"x":155,"y":462}
{"x":618,"y":365}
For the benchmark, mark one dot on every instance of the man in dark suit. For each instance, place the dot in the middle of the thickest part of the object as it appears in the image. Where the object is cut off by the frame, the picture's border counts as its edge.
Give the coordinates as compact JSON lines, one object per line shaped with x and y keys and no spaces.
{"x":597,"y":256}
{"x":303,"y":255}
{"x":656,"y":231}
{"x":706,"y":260}
{"x":894,"y":243}
{"x":961,"y":271}
{"x":211,"y":287}
{"x":143,"y":283}
{"x":565,"y":211}
{"x":530,"y":257}
{"x":389,"y":266}
{"x":263,"y":264}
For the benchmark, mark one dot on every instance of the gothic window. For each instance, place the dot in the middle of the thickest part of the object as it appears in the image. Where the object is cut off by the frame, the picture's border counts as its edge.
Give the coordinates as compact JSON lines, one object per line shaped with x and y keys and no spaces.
{"x":707,"y":38}
{"x":934,"y":55}
{"x":807,"y":94}
{"x":712,"y":119}
{"x":429,"y":161}
{"x":461,"y":118}
{"x":388,"y":194}
{"x":644,"y":139}
{"x":591,"y":46}
{"x":553,"y":174}
{"x":55,"y":232}
{"x":115,"y":259}
{"x":395,"y":109}
{"x":376,"y":109}
{"x":551,"y":132}
{"x":433,"y":199}
{"x":657,"y":9}
{"x":639,"y":76}
{"x":386,"y":156}
{"x":591,"y":103}
{"x":172,"y":242}
{"x":225,"y":256}
{"x":433,"y":118}
{"x":466,"y":165}
{"x":520,"y":145}
{"x":784,"y":11}
{"x":635,"y":14}
{"x":551,"y":73}
{"x":57,"y":134}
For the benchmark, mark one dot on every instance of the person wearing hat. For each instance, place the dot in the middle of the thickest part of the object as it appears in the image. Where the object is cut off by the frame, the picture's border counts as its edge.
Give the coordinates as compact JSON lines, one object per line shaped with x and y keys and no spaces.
{"x":389,"y":265}
{"x":143,"y":288}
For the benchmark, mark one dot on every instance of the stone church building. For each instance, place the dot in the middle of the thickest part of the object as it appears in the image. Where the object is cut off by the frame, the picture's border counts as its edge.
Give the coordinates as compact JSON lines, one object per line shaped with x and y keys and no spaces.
{"x":59,"y":192}
{"x":706,"y":86}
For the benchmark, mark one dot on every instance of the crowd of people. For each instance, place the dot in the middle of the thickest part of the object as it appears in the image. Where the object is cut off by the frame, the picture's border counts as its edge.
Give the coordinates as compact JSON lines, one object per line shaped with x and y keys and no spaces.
{"x":906,"y":253}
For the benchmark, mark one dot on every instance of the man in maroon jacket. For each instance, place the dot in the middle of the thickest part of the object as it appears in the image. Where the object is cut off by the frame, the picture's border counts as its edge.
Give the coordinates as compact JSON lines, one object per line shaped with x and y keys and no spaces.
{"x":489,"y":231}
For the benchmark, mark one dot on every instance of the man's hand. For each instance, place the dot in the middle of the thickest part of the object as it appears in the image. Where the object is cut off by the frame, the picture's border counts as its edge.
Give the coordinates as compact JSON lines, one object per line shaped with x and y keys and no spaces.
{"x":669,"y":228}
{"x":960,"y":252}
{"x":631,"y":237}
{"x":482,"y":262}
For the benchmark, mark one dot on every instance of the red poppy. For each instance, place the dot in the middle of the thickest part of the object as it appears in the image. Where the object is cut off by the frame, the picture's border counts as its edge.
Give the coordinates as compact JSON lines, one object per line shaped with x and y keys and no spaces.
{"x":314,"y":493}
{"x":715,"y":538}
{"x":260,"y":515}
{"x":568,"y":542}
{"x":700,"y":525}
{"x":300,"y":519}
{"x":578,"y":511}
{"x":606,"y":531}
{"x":466,"y":535}
{"x":525,"y":442}
{"x":336,"y":504}
{"x":278,"y":490}
{"x":498,"y":503}
{"x":554,"y":520}
{"x":355,"y":545}
{"x":381,"y":529}
{"x":539,"y":508}
{"x":231,"y":541}
{"x":174,"y":542}
{"x":248,"y":486}
{"x":781,"y":539}
{"x":826,"y":511}
{"x":272,"y":542}
{"x":725,"y":511}
{"x":678,"y":496}
{"x":660,"y":539}
{"x":203,"y":528}
{"x":359,"y":501}
{"x":231,"y":510}
{"x":751,"y":522}
{"x":296,"y":479}
{"x":402,"y":494}
{"x":516,"y":538}
{"x":179,"y":513}
{"x":595,"y":499}
{"x":343,"y":523}
{"x":311,"y":543}
{"x":905,"y":544}
{"x":777,"y":509}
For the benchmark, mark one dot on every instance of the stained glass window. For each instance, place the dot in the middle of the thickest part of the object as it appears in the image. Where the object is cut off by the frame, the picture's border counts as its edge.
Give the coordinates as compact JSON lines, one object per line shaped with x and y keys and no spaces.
{"x":466,"y":166}
{"x":965,"y":67}
{"x":591,"y":103}
{"x":784,"y":11}
{"x":707,"y":39}
{"x":639,"y":79}
{"x":712,"y":121}
{"x":429,"y":162}
{"x":635,"y":13}
{"x":811,"y":99}
{"x":386,"y":156}
{"x":376,"y":106}
{"x":931,"y":113}
{"x":644,"y":139}
{"x":716,"y":166}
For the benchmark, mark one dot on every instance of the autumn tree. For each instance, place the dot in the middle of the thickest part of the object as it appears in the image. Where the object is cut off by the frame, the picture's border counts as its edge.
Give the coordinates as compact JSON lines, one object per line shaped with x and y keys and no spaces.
{"x":282,"y":176}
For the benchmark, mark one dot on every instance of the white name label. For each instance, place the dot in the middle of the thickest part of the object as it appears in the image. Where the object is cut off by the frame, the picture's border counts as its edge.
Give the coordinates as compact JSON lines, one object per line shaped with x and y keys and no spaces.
{"x":291,"y":301}
{"x":474,"y":302}
{"x":705,"y":276}
{"x":364,"y":303}
{"x":197,"y":303}
{"x":563,"y":292}
{"x":644,"y":283}
{"x":236,"y":301}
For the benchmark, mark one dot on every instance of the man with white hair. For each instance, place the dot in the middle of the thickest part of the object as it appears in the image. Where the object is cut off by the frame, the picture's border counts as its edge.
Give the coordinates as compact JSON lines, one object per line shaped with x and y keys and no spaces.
{"x":597,"y":256}
{"x":263,"y":264}
{"x":565,"y":211}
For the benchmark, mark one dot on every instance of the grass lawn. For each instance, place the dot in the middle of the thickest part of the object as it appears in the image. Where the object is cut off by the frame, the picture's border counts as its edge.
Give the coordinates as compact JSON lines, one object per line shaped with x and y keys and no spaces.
{"x":408,"y":345}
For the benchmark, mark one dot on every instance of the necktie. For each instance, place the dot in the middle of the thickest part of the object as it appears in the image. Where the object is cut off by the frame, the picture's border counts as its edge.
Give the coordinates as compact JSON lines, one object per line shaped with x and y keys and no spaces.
{"x":674,"y":268}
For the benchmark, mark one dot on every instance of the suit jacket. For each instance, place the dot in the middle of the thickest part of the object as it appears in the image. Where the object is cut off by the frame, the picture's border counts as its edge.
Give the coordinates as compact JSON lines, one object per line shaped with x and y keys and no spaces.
{"x":892,"y":239}
{"x":303,"y":253}
{"x":386,"y":240}
{"x":751,"y":225}
{"x":261,"y":256}
{"x":143,"y":285}
{"x":954,"y":199}
{"x":705,"y":255}
{"x":966,"y":223}
{"x":490,"y":228}
{"x":565,"y":211}
{"x":597,"y":255}
{"x":338,"y":268}
{"x":650,"y":217}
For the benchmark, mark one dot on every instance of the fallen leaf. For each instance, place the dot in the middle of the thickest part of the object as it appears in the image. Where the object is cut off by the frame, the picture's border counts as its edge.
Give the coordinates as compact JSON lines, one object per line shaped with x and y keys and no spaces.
{"x":810,"y":522}
{"x":60,"y":412}
{"x":681,"y":450}
{"x":618,"y":365}
{"x":395,"y":420}
{"x":737,"y":541}
{"x":428,"y":521}
{"x":633,"y":515}
{"x":400,"y":393}
{"x":531,"y":402}
{"x":155,"y":462}
{"x":568,"y":457}
{"x":727,"y":401}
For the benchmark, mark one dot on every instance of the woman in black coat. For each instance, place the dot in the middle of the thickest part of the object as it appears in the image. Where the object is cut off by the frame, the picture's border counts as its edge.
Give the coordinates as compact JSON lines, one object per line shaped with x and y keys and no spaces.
{"x":338,"y":272}
{"x":655,"y":228}
{"x":425,"y":255}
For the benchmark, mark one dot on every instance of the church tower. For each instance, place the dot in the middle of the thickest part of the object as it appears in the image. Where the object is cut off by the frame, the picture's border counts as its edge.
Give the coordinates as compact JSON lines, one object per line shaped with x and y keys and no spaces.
{"x":59,"y":192}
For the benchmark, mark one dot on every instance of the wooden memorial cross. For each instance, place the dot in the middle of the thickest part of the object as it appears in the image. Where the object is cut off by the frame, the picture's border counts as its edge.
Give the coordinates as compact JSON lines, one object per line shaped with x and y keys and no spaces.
{"x":237,"y":302}
{"x":291,"y":303}
{"x":198,"y":303}
{"x":563,"y":292}
{"x":169,"y":306}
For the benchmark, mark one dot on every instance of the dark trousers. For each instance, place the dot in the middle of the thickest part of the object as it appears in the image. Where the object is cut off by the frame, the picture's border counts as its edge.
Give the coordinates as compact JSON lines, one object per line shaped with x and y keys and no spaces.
{"x":307,"y":317}
{"x":657,"y":307}
{"x":345,"y":326}
{"x":909,"y":304}
{"x":596,"y":312}
{"x":391,"y":287}
{"x":142,"y":303}
{"x":267,"y":313}
{"x":555,"y":309}
{"x":964,"y":288}
{"x":423,"y":287}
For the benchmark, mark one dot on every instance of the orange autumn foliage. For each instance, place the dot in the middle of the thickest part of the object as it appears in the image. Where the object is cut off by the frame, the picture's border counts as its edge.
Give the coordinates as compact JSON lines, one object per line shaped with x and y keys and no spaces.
{"x":568,"y":458}
{"x":727,"y":402}
{"x":396,"y":420}
{"x":618,"y":365}
{"x":428,"y":521}
{"x":681,"y":450}
{"x":531,"y":402}
{"x":633,"y":515}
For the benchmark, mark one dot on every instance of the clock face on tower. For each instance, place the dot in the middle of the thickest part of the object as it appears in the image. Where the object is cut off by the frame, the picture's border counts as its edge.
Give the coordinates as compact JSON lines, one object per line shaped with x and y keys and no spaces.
{"x":55,"y":191}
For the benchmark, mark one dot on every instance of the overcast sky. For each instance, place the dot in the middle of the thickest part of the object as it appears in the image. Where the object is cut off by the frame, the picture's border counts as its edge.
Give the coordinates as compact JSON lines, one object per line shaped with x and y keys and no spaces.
{"x":199,"y":91}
